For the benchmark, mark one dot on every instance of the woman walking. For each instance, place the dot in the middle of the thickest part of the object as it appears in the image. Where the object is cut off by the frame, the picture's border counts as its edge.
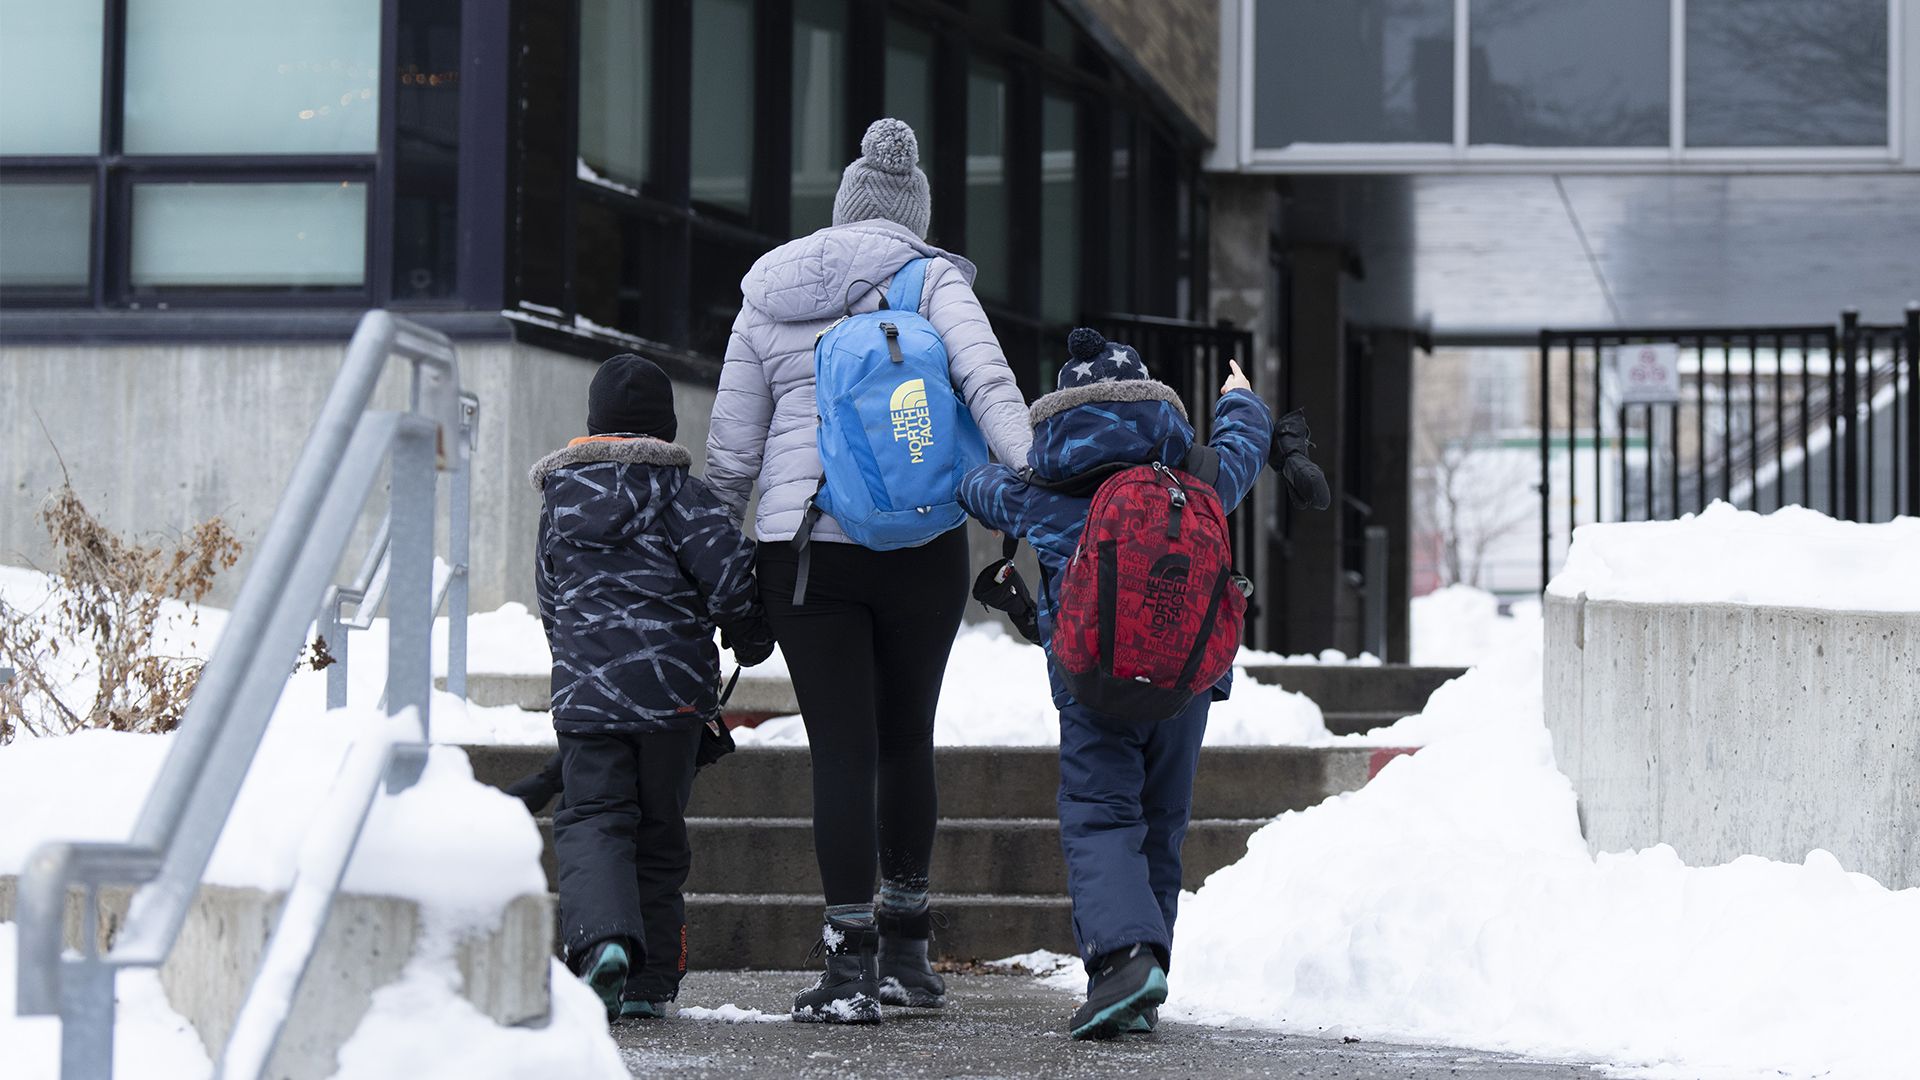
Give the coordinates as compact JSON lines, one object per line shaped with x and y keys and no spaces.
{"x":866,"y":633}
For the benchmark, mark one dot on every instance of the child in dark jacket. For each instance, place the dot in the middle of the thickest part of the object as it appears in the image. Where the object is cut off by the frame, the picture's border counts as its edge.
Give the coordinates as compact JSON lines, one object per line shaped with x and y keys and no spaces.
{"x":636,"y":564}
{"x":1126,"y":790}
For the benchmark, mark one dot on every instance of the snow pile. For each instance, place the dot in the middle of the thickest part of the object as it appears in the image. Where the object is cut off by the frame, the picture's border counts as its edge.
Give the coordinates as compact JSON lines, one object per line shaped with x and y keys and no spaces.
{"x":1327,"y":657}
{"x":996,"y":694}
{"x":733,"y":1014}
{"x":150,"y":1040}
{"x":1793,"y":557}
{"x":1460,"y":626}
{"x":1452,"y":900}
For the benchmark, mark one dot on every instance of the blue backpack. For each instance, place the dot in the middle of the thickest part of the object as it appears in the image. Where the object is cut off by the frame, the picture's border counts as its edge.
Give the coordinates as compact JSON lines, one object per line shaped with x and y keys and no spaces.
{"x":895,"y":439}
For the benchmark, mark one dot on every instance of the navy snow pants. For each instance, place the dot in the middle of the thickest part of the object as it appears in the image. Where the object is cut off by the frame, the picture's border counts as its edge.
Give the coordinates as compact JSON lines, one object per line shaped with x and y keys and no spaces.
{"x":1126,"y":793}
{"x":620,"y":838}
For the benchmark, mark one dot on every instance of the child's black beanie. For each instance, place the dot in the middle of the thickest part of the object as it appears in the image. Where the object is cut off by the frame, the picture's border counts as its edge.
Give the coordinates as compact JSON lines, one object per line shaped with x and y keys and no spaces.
{"x":630,"y":395}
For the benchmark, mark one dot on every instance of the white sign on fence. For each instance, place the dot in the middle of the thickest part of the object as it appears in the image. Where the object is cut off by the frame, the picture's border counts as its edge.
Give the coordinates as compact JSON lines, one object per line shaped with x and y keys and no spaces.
{"x":1646,"y":374}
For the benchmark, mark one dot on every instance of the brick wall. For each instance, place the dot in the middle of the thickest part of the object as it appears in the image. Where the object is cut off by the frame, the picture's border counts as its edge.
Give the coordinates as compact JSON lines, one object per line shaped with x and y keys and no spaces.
{"x":1177,"y":42}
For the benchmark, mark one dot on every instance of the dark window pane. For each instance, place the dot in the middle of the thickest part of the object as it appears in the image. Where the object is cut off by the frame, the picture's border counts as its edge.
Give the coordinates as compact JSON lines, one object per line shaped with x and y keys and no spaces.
{"x":252,"y":77}
{"x":1059,"y":209}
{"x":616,"y":73}
{"x":987,"y":177}
{"x":427,"y":151}
{"x":1122,"y":217}
{"x":1056,"y":32}
{"x":719,"y":262}
{"x":50,"y":77}
{"x":1786,"y":73}
{"x":249,"y":235}
{"x":44,"y":235}
{"x":1568,"y":73}
{"x":910,"y":82}
{"x":722,"y":143}
{"x":820,"y":147}
{"x":1355,"y":71}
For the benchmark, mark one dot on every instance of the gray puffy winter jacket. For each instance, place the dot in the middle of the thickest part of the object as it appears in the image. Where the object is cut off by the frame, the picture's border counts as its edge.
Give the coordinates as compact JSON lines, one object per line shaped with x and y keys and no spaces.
{"x":765,"y":426}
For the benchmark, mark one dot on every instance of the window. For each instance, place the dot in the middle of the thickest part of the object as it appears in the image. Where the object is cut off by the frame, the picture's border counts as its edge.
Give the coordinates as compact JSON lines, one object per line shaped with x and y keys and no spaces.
{"x":44,"y":242}
{"x":249,"y":235}
{"x":723,"y":76}
{"x":1571,"y":73}
{"x":820,"y":148}
{"x":426,"y":207}
{"x":1060,"y":202}
{"x":1786,"y":73}
{"x":909,"y":89}
{"x":987,"y":177}
{"x":1376,"y":71}
{"x":252,"y":76}
{"x":1121,"y":215}
{"x":616,"y":89}
{"x":50,"y":77}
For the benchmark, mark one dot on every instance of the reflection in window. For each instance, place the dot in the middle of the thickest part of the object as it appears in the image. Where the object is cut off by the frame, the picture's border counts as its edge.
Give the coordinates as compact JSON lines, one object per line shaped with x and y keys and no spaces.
{"x":44,"y":235}
{"x":718,"y":263}
{"x":820,"y":148}
{"x":426,"y":241}
{"x":1366,"y":71}
{"x":252,"y":77}
{"x":50,"y":77}
{"x":1059,"y":209}
{"x":616,"y":76}
{"x":1786,"y":73}
{"x":987,"y":177}
{"x":249,"y":235}
{"x":722,"y":142}
{"x":1120,"y":214}
{"x":1568,"y":73}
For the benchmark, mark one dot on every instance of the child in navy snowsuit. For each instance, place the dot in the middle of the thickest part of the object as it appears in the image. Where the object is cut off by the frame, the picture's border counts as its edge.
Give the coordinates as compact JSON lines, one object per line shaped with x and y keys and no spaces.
{"x":636,"y":564}
{"x":1126,"y":790}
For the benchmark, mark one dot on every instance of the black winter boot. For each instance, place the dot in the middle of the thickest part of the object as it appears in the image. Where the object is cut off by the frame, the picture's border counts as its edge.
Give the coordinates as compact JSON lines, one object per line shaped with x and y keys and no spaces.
{"x":906,"y":975}
{"x":1125,"y":984}
{"x":847,"y":993}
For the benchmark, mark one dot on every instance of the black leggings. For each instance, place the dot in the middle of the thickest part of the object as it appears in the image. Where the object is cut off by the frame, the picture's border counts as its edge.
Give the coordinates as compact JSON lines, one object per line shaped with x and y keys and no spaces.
{"x":867,"y":653}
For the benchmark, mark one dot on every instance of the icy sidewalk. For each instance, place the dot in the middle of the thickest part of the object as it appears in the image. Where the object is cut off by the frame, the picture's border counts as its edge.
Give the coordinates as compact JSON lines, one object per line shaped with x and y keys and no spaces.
{"x":1007,"y":1025}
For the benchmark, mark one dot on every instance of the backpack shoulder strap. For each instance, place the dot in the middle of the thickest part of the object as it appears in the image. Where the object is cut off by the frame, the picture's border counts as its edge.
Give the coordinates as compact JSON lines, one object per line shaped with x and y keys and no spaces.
{"x":1203,"y":463}
{"x":903,"y":292}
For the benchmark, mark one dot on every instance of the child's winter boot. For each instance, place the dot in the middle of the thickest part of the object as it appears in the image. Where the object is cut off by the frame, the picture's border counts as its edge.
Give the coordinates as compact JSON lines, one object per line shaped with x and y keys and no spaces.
{"x":1123,"y":985}
{"x":641,"y":1009}
{"x":906,"y":975}
{"x":604,"y":969}
{"x":847,"y":992}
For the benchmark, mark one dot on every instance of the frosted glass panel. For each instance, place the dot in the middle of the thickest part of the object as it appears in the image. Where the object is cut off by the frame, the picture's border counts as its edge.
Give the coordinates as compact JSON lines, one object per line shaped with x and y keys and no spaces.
{"x":1568,"y":73}
{"x":50,"y":76}
{"x":249,"y":235}
{"x":1352,"y":71}
{"x":44,"y":234}
{"x":722,"y":143}
{"x":1786,"y":73}
{"x":616,"y":78}
{"x":252,"y":76}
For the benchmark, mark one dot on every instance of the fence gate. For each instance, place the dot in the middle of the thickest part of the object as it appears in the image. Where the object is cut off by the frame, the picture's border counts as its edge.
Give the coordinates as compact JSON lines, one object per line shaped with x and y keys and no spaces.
{"x":1650,"y":424}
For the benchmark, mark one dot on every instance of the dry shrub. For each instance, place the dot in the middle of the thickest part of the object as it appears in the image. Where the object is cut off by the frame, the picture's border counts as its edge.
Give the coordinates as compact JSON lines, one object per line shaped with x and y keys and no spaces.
{"x":96,"y":629}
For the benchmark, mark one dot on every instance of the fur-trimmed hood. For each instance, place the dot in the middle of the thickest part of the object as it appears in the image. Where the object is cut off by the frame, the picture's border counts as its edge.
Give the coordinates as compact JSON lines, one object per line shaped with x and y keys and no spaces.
{"x":1123,"y":390}
{"x":638,"y":450}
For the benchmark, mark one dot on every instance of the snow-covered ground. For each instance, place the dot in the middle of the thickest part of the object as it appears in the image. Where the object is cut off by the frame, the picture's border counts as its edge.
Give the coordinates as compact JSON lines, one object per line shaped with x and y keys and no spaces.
{"x":1452,"y":900}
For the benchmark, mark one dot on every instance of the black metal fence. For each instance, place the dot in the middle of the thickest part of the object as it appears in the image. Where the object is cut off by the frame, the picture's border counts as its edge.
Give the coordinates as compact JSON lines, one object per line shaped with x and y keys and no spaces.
{"x":1826,"y":417}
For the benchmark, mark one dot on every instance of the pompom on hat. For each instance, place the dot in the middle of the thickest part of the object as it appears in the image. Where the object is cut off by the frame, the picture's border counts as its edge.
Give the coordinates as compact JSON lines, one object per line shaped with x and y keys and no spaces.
{"x":885,"y":181}
{"x":1093,"y":359}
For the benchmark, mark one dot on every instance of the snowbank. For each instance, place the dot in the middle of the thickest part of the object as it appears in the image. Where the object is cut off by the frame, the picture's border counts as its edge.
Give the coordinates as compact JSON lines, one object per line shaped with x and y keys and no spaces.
{"x":1452,"y":900}
{"x":1793,"y":557}
{"x":1460,"y":626}
{"x":150,"y":1040}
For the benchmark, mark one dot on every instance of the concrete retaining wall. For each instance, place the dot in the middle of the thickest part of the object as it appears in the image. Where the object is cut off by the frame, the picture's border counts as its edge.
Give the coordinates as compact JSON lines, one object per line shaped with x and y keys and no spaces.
{"x":1726,"y":729}
{"x":157,"y":437}
{"x":368,"y":941}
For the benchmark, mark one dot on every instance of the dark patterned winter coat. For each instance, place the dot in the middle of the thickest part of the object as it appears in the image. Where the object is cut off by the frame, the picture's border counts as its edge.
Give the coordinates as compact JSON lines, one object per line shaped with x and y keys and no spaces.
{"x":1136,"y":421}
{"x":637,"y":563}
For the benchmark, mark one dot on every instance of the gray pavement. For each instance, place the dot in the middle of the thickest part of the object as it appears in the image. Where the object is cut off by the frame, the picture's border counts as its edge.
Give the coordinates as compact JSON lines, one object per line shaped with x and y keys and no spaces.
{"x":1012,"y":1026}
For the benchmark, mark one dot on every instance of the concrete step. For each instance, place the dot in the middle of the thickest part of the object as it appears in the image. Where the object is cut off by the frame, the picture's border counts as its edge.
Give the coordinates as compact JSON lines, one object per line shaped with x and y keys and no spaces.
{"x":1359,"y":723}
{"x":1014,"y":857}
{"x":1234,"y":782}
{"x":1401,"y":689}
{"x":755,"y":698}
{"x":739,"y":931}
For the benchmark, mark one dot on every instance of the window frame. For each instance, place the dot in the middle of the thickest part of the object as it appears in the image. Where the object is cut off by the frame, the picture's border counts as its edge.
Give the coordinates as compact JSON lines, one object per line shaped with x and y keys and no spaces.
{"x":1461,"y":156}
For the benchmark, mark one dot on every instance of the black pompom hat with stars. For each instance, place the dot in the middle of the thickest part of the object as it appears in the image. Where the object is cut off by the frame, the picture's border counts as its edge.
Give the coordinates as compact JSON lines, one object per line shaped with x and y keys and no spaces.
{"x":1093,"y":359}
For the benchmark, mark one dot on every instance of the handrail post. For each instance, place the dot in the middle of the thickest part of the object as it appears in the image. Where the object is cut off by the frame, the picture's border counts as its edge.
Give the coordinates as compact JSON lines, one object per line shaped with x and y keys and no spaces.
{"x":410,"y":577}
{"x":459,"y":535}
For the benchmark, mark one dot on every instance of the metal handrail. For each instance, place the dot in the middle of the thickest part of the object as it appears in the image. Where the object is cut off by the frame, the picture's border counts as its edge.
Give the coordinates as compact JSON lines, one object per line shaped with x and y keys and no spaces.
{"x":192,"y":797}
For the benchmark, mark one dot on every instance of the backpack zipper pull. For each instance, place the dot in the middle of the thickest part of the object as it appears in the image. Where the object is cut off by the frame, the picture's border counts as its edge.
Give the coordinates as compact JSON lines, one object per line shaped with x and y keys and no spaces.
{"x":893,"y":342}
{"x":1176,"y":499}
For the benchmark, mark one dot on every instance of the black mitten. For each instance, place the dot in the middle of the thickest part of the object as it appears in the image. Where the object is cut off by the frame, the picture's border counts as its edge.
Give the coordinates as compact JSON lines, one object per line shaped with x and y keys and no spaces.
{"x":748,"y":651}
{"x":538,"y":789}
{"x":1306,"y":484}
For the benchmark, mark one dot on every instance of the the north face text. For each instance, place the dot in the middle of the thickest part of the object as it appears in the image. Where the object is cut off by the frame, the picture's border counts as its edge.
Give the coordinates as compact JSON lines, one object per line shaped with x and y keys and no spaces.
{"x":912,"y":419}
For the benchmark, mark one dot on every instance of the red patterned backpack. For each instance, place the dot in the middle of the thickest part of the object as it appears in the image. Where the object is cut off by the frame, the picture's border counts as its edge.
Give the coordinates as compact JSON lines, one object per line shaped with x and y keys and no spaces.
{"x":1150,"y":608}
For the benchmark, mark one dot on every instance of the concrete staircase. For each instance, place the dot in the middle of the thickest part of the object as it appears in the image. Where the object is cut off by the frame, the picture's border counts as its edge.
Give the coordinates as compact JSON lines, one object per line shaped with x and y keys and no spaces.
{"x":753,"y":899}
{"x":1355,"y":698}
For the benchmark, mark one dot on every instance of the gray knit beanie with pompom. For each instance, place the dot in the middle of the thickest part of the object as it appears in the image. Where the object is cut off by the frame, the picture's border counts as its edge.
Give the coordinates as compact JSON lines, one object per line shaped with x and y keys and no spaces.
{"x":885,"y":181}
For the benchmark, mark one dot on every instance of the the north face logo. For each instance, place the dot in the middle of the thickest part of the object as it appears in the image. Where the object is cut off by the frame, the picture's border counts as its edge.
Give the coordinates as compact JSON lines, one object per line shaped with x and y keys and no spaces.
{"x":1166,"y":594}
{"x":912,"y":420}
